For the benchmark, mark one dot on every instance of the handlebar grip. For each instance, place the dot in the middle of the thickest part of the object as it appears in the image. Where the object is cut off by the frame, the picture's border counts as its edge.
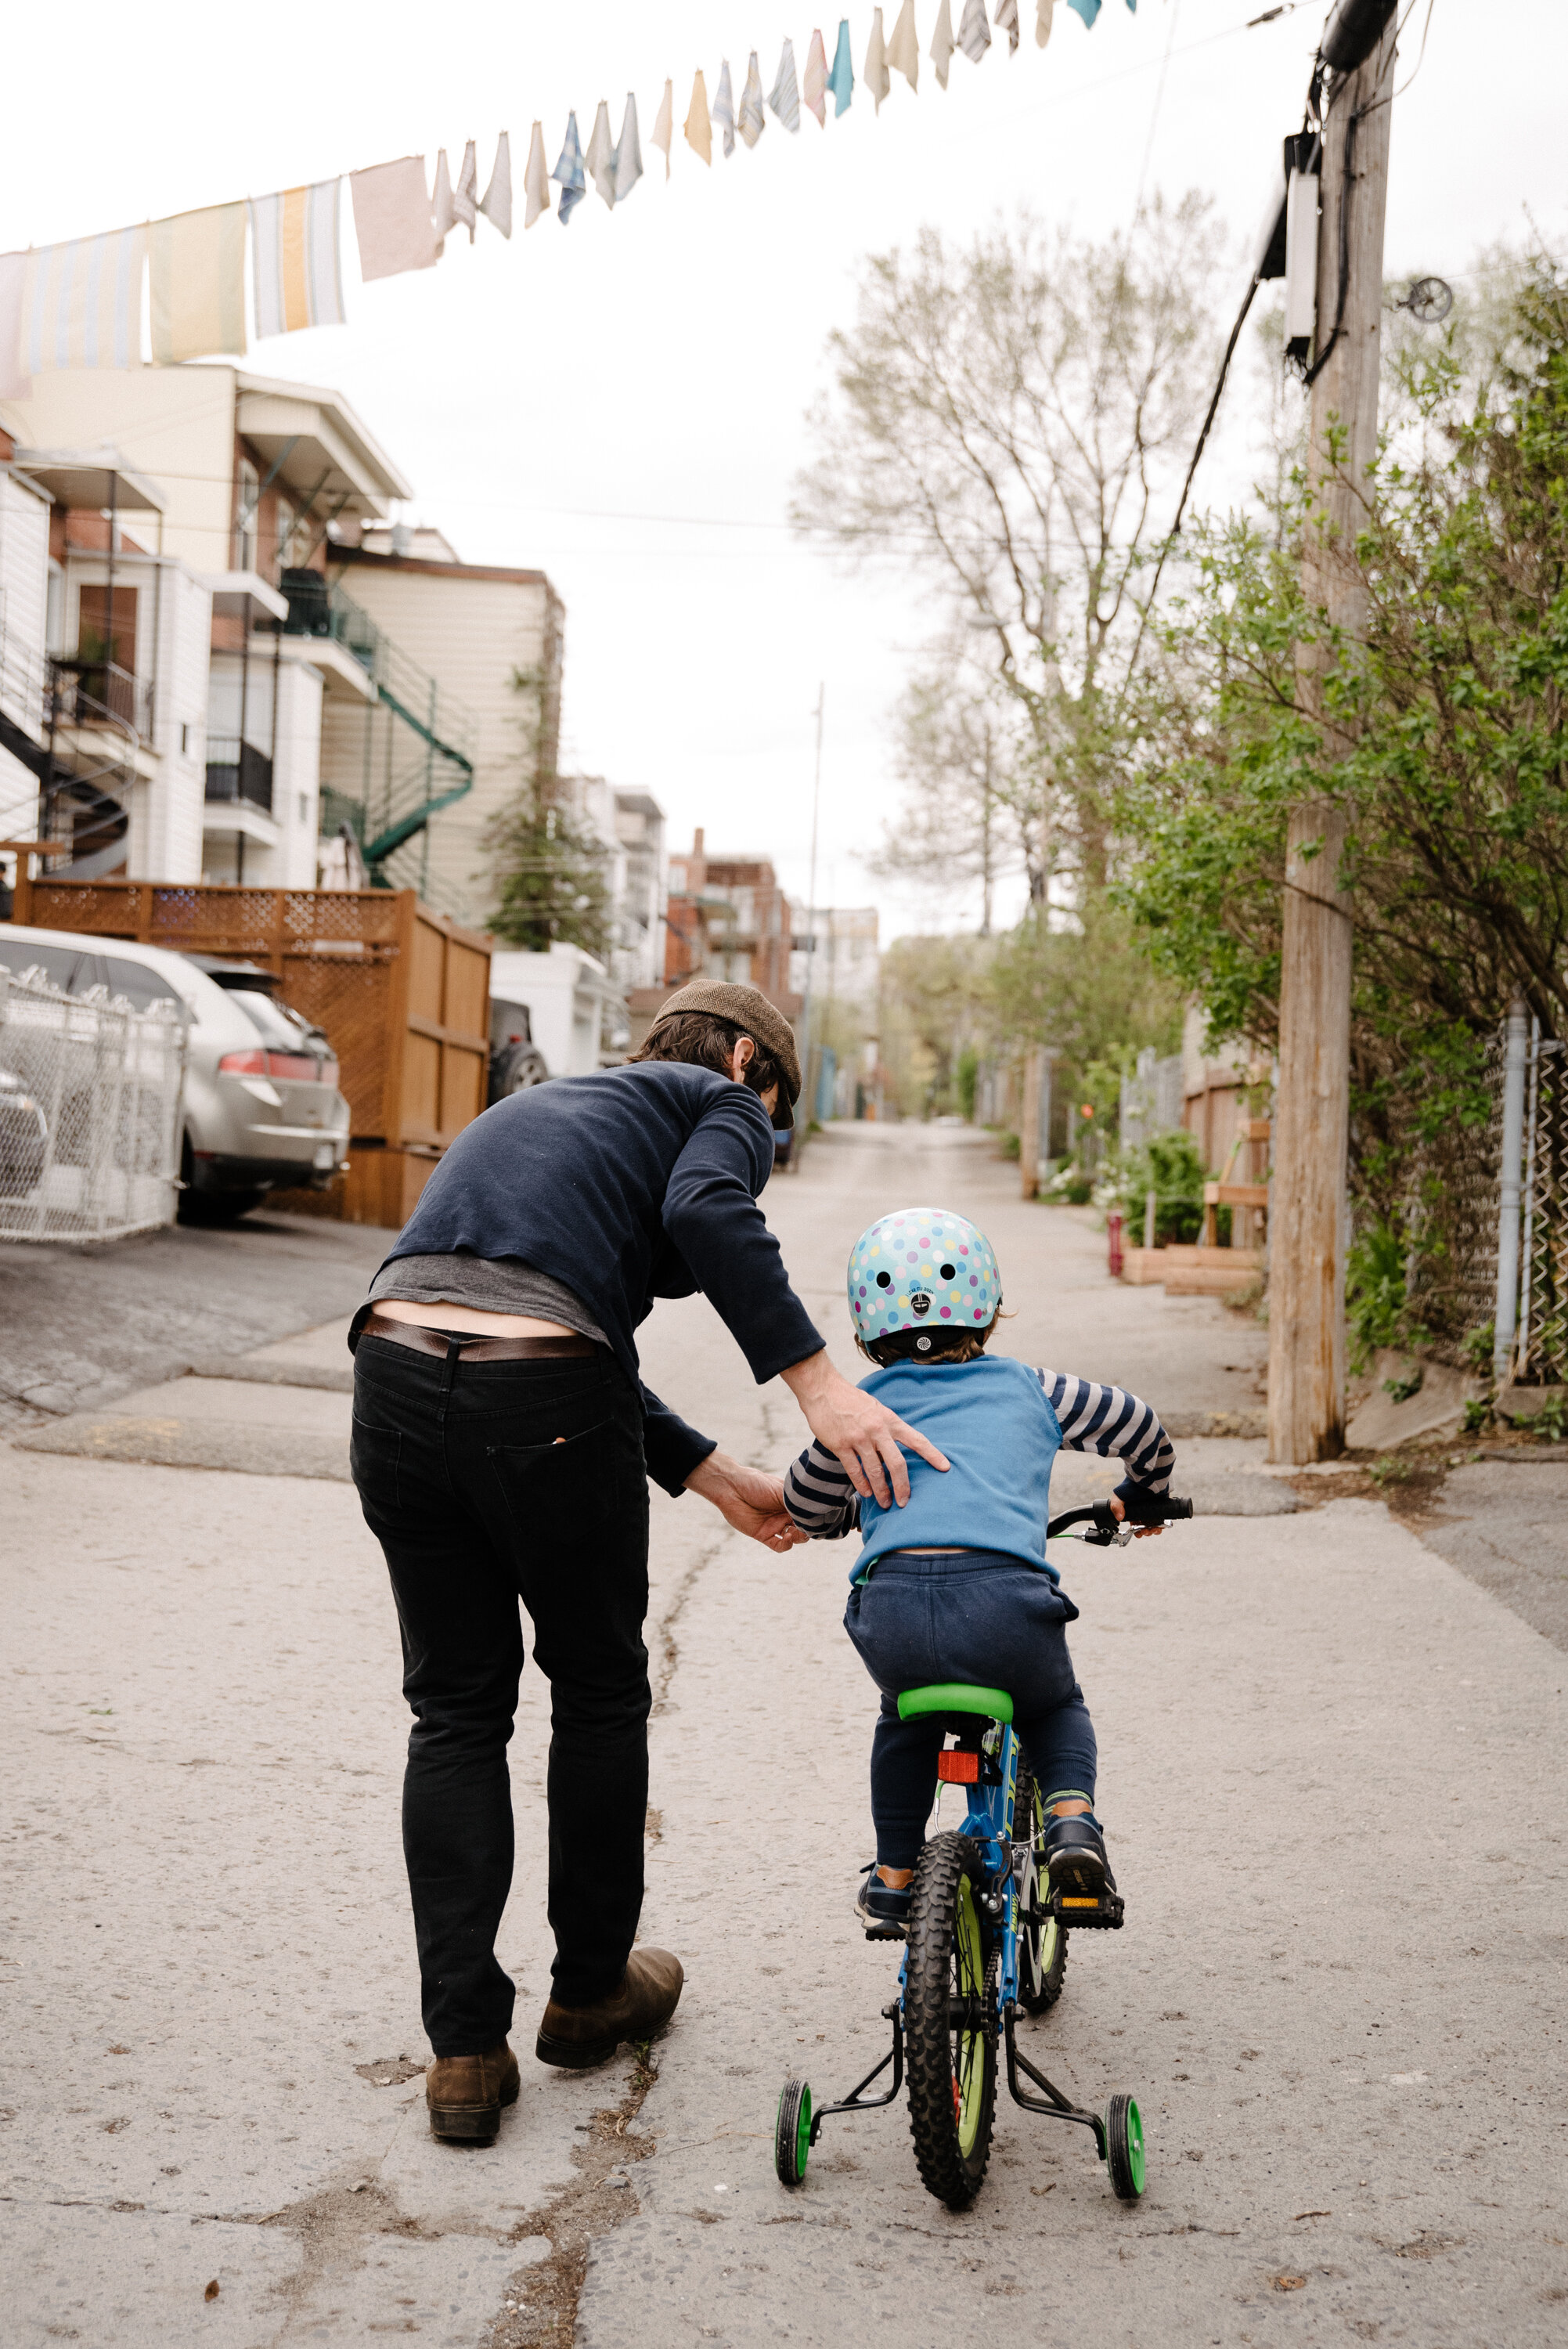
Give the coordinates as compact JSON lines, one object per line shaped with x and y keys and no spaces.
{"x":1152,"y":1508}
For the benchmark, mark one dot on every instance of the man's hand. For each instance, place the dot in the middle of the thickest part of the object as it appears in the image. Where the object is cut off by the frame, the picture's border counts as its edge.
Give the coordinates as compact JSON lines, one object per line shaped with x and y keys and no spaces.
{"x":863,"y":1433}
{"x":751,"y":1500}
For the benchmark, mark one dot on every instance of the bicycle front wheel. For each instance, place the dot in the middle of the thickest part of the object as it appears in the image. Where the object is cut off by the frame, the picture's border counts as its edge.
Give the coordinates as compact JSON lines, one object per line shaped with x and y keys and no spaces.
{"x":950,"y":2021}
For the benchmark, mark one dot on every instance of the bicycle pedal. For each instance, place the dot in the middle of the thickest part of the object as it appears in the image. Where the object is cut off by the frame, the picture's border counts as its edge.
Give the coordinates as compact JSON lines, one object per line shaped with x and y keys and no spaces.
{"x":1084,"y":1913}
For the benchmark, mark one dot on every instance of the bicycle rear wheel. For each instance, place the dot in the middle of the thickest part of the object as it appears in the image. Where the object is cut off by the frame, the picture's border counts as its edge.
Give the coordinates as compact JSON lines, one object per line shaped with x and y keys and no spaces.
{"x":1042,"y":1949}
{"x":950,"y":2021}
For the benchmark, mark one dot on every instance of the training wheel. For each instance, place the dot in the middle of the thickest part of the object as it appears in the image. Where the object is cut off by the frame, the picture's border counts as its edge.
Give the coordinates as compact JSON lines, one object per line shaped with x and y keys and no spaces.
{"x":1123,"y":2146}
{"x":792,"y":2134}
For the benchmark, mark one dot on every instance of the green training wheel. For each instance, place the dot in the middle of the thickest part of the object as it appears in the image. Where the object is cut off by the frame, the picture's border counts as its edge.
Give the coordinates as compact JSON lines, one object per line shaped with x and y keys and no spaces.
{"x":793,"y":2133}
{"x":1123,"y":2126}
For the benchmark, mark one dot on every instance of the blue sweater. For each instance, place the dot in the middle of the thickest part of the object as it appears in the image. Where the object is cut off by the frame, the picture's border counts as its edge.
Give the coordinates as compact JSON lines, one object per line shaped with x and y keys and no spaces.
{"x":1001,"y":1426}
{"x":632,"y":1183}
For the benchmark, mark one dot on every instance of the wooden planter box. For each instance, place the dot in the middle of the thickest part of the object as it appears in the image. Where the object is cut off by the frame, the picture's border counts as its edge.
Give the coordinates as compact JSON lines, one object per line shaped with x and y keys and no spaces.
{"x":1191,"y":1269}
{"x":403,"y":995}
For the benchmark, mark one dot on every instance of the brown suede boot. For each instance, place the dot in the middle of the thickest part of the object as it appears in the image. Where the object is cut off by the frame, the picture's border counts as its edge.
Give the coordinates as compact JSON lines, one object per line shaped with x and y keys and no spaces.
{"x":465,"y":2094}
{"x":579,"y":2037}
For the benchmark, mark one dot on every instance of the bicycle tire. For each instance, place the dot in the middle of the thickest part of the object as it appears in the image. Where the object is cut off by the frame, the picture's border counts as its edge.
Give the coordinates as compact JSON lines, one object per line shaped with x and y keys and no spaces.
{"x":1042,"y":1949}
{"x":952,"y":2068}
{"x":792,"y":2132}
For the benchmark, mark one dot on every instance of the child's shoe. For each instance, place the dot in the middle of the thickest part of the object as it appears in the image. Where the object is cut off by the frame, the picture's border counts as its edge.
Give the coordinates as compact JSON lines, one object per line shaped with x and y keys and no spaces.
{"x":884,"y":1908}
{"x":1072,"y":1856}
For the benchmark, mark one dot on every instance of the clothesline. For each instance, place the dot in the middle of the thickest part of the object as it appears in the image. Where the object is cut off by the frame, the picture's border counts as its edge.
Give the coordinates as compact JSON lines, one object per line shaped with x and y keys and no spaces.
{"x":80,"y":303}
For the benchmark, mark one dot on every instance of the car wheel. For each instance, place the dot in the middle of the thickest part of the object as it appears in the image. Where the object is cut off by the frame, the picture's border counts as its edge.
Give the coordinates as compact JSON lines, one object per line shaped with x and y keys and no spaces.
{"x":526,"y":1070}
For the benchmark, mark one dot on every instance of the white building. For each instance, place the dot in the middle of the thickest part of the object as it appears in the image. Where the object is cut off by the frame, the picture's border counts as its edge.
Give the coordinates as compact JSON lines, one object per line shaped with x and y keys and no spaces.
{"x":847,"y":966}
{"x":576,"y":1011}
{"x":188,"y":518}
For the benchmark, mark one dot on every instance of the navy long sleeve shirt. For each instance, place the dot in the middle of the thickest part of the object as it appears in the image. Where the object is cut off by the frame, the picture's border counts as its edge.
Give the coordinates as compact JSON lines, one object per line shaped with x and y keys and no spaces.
{"x":632,"y":1183}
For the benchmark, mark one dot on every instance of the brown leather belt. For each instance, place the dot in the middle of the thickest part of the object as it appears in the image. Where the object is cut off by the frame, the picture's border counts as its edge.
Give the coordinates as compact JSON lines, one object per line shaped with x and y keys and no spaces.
{"x":474,"y":1349}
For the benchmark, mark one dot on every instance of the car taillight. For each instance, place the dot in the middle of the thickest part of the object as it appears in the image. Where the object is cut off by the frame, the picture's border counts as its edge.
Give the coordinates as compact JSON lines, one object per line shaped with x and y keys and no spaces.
{"x":300,"y":1068}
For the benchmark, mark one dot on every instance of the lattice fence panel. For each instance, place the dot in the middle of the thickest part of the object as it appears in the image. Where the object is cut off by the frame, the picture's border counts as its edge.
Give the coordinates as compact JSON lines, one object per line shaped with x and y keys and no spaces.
{"x":1542,"y":1355}
{"x":1454,"y":1288}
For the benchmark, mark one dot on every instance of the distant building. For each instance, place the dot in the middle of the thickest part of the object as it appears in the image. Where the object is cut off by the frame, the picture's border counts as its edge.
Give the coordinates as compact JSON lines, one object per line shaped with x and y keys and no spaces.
{"x":729,"y":917}
{"x":846,"y":967}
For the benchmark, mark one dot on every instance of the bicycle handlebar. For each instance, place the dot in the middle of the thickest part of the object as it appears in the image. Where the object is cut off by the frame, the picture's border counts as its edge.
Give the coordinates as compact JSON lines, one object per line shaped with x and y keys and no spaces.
{"x":1152,"y":1509}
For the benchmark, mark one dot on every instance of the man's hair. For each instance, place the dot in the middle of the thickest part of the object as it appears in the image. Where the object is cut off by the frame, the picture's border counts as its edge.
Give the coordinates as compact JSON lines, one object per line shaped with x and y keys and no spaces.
{"x":942,"y":1345}
{"x":701,"y":1038}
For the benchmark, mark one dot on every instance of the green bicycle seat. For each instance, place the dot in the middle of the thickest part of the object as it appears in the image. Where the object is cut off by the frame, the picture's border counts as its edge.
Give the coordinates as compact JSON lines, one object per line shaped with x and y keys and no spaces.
{"x":955,"y":1696}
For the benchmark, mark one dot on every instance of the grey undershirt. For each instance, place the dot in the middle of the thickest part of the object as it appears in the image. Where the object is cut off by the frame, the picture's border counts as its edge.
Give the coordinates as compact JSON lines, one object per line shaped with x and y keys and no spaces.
{"x":501,"y":1284}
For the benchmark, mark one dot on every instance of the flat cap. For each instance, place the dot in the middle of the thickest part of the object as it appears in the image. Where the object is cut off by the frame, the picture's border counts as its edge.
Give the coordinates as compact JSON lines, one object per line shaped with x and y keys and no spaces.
{"x":747,"y":1008}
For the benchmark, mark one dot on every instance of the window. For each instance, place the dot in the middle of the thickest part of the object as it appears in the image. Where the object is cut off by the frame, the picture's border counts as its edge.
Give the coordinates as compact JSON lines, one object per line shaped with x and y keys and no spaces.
{"x":304,"y":809}
{"x":66,"y":968}
{"x":184,"y":738}
{"x":247,"y":494}
{"x":285,"y":533}
{"x":136,"y":983}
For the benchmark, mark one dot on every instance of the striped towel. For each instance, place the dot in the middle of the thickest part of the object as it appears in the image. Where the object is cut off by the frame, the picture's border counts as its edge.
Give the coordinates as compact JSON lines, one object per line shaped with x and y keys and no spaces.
{"x":294,"y":259}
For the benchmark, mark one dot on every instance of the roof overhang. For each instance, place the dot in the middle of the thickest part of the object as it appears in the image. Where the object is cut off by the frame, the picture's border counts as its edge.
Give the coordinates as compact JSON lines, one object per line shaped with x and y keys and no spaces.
{"x":232,"y":590}
{"x":339,"y":669}
{"x":313,"y":442}
{"x":91,"y":479}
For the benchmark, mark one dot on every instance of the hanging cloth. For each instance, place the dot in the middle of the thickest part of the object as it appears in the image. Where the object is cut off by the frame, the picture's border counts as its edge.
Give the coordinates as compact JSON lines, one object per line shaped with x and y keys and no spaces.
{"x":535,"y":181}
{"x":814,"y":80}
{"x":1007,"y":17}
{"x":841,"y":80}
{"x":698,"y":126}
{"x":874,"y":72}
{"x":1087,"y":9}
{"x":392,"y":218}
{"x":80,"y":303}
{"x":443,"y":212}
{"x":569,"y":171}
{"x":626,"y":163}
{"x":465,"y":194}
{"x":974,"y":32}
{"x":752,"y":122}
{"x":942,"y":44}
{"x":293,"y":260}
{"x":600,"y":156}
{"x":903,"y":49}
{"x":496,"y":202}
{"x":723,"y":108}
{"x":784,"y":96}
{"x":1043,"y":10}
{"x":198,"y":280}
{"x":662,"y":131}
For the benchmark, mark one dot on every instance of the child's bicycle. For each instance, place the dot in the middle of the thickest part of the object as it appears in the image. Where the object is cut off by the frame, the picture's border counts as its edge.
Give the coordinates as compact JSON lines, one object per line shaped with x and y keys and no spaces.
{"x":985,"y":1937}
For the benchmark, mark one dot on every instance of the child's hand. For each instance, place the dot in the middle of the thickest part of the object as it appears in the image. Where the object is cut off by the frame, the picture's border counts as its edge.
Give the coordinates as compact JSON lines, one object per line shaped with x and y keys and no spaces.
{"x":1140,"y":1533}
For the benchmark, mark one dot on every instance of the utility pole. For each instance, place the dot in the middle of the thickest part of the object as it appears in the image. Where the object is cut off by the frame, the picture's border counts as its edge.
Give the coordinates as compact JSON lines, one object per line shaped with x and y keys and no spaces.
{"x":985,"y":842}
{"x":1308,"y":1208}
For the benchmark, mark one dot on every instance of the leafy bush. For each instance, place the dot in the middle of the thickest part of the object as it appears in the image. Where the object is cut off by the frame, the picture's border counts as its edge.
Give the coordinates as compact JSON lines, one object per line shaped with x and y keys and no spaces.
{"x":1172,"y":1166}
{"x":1375,"y":1306}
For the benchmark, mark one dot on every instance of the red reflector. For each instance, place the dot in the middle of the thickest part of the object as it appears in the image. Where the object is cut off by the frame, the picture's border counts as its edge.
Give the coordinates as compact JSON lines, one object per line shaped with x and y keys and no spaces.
{"x":959,"y":1769}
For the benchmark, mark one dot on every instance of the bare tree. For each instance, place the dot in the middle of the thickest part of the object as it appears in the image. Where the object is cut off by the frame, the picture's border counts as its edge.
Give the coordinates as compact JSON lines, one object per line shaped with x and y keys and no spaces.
{"x":1006,"y":417}
{"x":971,"y":802}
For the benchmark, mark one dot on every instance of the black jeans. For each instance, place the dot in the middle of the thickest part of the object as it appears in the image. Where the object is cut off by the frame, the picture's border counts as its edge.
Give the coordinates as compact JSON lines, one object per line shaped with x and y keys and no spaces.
{"x":974,"y":1616}
{"x":488,"y":1483}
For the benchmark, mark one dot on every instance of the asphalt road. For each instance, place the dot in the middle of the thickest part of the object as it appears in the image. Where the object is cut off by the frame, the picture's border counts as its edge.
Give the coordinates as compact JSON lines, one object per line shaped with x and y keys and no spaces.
{"x":1333,"y":1775}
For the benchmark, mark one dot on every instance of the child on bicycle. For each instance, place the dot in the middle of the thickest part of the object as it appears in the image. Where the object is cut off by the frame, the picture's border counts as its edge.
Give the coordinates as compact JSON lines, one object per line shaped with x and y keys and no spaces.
{"x":956,"y":1586}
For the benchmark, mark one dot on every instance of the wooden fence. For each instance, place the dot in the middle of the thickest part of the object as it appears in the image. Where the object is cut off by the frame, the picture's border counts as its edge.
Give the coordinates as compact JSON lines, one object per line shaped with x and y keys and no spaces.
{"x":402,"y":993}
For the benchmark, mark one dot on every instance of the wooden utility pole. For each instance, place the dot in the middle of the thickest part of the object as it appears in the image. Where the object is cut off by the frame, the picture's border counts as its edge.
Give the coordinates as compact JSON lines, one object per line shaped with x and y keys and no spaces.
{"x":1308,"y":1210}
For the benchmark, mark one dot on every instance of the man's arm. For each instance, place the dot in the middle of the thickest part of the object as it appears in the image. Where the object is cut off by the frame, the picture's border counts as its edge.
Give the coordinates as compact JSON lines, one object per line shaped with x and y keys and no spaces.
{"x":750,"y":1499}
{"x":712,"y":1216}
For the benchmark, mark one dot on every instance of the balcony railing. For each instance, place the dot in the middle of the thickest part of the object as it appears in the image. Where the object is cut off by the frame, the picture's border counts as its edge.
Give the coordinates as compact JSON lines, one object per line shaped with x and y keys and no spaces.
{"x":238,"y":771}
{"x":101,"y":693}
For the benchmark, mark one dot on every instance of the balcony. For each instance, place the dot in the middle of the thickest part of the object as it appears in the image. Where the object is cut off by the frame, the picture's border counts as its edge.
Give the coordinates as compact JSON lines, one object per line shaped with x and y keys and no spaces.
{"x":238,"y":771}
{"x":100,"y":693}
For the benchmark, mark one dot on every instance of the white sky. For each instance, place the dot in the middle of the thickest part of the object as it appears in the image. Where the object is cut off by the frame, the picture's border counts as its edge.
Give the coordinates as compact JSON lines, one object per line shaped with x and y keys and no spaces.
{"x":623,"y":403}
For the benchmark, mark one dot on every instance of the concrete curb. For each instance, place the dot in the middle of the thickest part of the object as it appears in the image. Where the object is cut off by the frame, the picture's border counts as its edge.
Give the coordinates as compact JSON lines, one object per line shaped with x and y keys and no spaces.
{"x":230,"y":1444}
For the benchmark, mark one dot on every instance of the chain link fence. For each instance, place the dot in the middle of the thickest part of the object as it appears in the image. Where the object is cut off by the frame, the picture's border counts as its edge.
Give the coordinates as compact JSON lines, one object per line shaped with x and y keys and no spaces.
{"x":90,"y":1091}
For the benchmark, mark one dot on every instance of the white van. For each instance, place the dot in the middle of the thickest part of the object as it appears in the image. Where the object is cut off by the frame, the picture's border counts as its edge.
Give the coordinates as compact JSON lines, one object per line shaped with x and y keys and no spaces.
{"x":263,"y":1110}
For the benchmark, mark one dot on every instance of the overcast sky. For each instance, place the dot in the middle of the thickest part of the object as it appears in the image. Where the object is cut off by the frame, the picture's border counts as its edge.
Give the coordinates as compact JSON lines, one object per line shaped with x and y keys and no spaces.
{"x":622,"y":402}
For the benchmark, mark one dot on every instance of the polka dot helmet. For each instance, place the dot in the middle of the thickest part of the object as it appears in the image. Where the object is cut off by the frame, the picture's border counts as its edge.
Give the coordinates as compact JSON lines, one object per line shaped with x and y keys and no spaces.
{"x":922,"y":1268}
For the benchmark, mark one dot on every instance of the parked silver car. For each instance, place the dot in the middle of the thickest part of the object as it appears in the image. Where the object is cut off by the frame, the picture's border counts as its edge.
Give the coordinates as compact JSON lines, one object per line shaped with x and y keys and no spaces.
{"x":263,"y":1111}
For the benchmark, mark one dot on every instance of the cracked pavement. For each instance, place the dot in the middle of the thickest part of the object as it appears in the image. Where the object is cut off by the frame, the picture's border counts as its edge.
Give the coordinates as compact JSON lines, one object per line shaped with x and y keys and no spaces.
{"x":1333,"y":1775}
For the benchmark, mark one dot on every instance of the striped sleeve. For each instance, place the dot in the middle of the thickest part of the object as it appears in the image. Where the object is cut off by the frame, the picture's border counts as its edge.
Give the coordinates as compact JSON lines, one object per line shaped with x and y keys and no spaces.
{"x":820,"y":1496}
{"x":1109,"y":1420}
